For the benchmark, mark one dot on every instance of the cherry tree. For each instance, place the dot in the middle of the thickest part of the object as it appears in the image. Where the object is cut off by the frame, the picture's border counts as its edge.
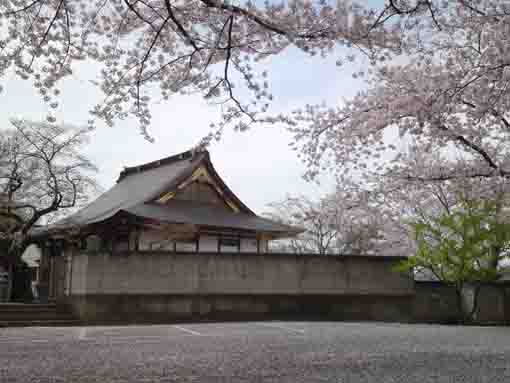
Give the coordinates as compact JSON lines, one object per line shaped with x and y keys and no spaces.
{"x":407,"y":200}
{"x":315,"y":217}
{"x":42,"y":173}
{"x":416,"y":188}
{"x":448,"y":92}
{"x":146,"y":47}
{"x":436,"y":70}
{"x":345,"y":221}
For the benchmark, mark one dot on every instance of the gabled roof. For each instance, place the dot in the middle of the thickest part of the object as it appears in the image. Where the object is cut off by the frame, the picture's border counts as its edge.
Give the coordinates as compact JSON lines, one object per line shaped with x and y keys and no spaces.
{"x":139,"y":187}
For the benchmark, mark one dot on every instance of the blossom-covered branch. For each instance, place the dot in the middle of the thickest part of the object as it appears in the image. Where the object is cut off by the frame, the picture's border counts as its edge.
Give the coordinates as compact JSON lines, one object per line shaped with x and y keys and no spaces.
{"x":204,"y":46}
{"x":450,"y":94}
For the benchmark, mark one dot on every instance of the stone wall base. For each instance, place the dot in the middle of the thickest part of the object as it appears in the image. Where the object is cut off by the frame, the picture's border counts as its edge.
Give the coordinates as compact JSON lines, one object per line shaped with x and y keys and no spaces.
{"x":139,"y":308}
{"x":432,"y":302}
{"x":436,"y":302}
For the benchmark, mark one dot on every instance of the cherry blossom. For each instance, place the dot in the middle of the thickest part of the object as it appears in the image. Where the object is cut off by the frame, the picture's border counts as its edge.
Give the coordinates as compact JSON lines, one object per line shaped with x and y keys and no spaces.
{"x":449,"y":92}
{"x":437,"y":71}
{"x":347,"y":221}
{"x":167,"y":47}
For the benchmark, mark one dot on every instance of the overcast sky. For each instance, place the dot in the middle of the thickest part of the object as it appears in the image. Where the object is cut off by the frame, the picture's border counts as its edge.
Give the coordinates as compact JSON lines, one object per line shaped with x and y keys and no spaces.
{"x":257,"y":165}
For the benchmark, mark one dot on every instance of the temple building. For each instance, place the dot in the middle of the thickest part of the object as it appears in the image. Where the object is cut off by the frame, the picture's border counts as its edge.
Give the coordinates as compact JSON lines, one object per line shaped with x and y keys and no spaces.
{"x":170,"y":241}
{"x":178,"y":204}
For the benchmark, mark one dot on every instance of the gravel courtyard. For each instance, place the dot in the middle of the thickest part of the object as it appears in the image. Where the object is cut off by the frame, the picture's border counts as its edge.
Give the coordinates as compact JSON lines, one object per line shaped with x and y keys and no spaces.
{"x":256,"y":352}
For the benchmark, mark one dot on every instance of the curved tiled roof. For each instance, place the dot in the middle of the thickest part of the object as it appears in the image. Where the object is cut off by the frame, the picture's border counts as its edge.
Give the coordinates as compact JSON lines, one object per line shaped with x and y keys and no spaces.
{"x":134,"y":186}
{"x":209,"y":215}
{"x":138,"y":186}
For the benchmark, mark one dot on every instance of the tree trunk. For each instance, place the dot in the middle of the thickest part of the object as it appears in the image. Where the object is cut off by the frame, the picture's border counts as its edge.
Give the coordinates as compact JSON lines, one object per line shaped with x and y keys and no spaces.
{"x":467,"y":301}
{"x":476,"y":294}
{"x":14,"y":257}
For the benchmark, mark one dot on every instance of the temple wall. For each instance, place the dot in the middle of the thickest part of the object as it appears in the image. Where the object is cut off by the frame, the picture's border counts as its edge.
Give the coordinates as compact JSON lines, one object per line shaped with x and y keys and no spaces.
{"x":163,"y":286}
{"x":160,"y":273}
{"x":436,"y":302}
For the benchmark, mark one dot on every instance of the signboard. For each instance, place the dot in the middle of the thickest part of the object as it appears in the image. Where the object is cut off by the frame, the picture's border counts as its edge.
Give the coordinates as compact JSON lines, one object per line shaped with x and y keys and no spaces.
{"x":4,"y":277}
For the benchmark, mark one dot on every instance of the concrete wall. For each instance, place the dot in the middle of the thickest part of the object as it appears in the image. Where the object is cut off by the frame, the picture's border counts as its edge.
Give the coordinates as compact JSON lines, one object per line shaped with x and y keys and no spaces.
{"x":212,"y":273}
{"x":436,"y":302}
{"x":160,"y":308}
{"x":161,"y":286}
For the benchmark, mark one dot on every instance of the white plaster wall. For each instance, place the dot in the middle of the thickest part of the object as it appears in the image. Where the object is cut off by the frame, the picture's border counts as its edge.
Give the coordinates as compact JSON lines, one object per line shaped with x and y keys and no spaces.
{"x":248,"y":245}
{"x":154,"y":240}
{"x":229,"y":249}
{"x":208,"y":243}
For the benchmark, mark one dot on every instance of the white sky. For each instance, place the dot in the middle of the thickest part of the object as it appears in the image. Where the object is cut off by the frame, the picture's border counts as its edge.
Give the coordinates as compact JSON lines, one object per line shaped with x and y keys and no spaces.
{"x":257,"y":165}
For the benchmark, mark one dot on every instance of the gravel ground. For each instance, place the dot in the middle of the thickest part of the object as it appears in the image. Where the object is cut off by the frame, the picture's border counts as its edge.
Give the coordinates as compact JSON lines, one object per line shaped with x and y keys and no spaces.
{"x":292,"y":352}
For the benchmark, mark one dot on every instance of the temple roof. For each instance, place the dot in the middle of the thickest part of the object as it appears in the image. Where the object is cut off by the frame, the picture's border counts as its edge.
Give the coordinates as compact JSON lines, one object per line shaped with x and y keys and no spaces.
{"x":139,"y":189}
{"x":211,"y":216}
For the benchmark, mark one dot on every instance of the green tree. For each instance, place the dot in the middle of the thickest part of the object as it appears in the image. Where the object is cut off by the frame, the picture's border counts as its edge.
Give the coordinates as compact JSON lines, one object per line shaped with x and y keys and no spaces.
{"x":463,"y":247}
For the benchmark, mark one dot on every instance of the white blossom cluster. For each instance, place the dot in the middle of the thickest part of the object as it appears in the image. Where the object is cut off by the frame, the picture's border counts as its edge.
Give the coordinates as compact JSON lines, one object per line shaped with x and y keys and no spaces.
{"x":449,"y":91}
{"x":349,"y":220}
{"x":151,"y":49}
{"x":437,"y":71}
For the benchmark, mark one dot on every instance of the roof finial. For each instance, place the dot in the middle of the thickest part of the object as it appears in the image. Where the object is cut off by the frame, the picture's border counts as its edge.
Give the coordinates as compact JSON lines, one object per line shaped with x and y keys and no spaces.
{"x":201,"y":147}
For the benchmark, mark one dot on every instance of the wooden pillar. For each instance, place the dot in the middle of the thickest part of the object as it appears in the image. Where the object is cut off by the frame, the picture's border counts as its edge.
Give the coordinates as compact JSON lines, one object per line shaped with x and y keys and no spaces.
{"x":52,"y":272}
{"x":262,"y":238}
{"x":68,"y":289}
{"x":44,"y":272}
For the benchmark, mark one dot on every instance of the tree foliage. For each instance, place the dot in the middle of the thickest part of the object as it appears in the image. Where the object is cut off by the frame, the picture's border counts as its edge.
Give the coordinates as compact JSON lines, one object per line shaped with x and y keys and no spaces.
{"x":462,"y":247}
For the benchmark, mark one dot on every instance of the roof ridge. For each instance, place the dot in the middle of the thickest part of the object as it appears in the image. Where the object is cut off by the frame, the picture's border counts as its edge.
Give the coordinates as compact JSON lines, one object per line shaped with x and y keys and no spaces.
{"x":187,"y":155}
